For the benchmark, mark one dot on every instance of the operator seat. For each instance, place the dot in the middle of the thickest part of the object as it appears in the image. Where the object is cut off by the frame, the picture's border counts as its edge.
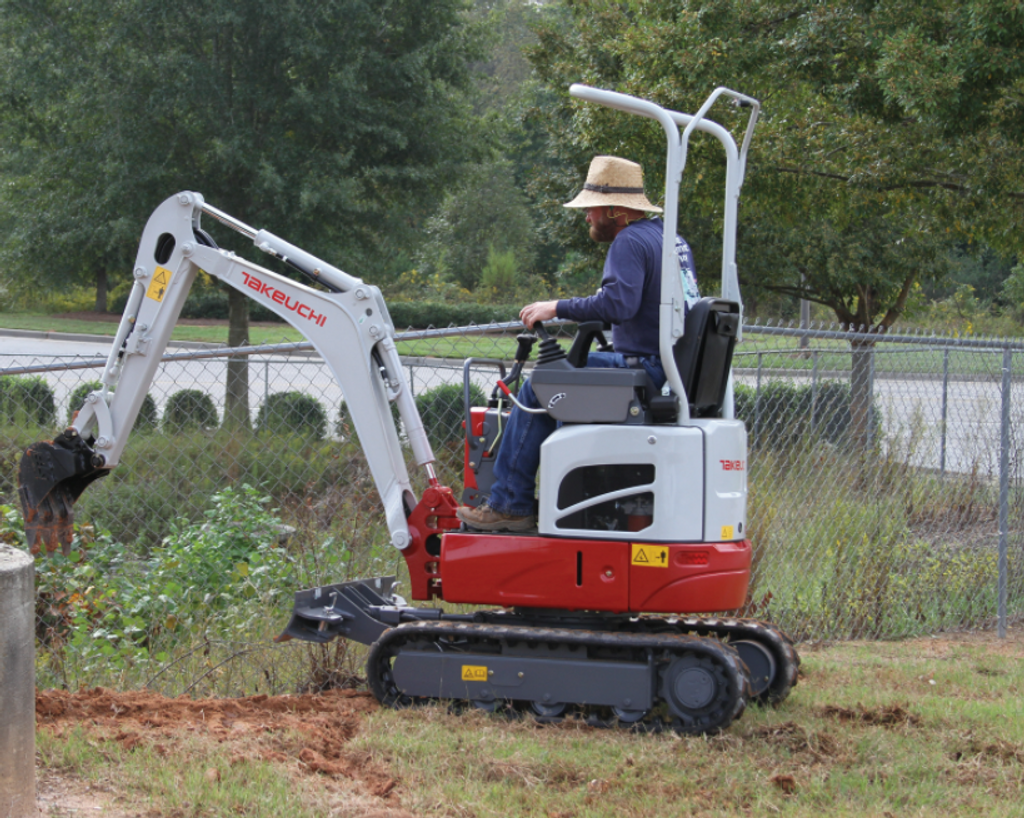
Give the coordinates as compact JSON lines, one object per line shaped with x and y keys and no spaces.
{"x":704,"y":358}
{"x":604,"y":395}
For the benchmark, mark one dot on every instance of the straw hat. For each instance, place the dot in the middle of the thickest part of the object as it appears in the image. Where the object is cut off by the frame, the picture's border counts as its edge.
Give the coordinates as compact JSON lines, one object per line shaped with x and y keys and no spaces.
{"x":614,"y":181}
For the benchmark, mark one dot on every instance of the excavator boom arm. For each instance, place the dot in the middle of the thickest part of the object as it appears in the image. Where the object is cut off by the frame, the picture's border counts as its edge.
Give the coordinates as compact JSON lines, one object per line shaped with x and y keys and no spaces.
{"x":348,"y":325}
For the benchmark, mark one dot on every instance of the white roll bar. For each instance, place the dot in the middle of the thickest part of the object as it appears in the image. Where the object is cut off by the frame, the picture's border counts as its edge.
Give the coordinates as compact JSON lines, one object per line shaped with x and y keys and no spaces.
{"x":672,"y":296}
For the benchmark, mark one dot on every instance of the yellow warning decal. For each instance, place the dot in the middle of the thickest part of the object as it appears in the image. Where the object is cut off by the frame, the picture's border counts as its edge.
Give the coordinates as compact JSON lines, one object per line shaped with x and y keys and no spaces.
{"x":727,"y":532}
{"x":652,"y":556}
{"x":158,"y":286}
{"x":474,"y":673}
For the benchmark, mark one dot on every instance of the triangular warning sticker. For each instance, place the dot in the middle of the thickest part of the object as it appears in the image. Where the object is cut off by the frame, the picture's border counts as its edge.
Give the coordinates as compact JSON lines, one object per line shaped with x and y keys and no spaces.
{"x":652,"y":556}
{"x":158,"y":286}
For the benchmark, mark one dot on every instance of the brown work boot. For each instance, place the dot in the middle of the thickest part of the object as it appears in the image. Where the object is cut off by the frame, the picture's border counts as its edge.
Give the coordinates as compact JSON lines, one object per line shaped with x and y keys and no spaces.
{"x":485,"y":518}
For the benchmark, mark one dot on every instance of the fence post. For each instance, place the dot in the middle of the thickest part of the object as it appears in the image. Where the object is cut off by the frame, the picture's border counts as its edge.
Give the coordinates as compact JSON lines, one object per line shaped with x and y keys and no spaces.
{"x":945,"y":410}
{"x":871,"y":398}
{"x":814,"y":392}
{"x":17,"y":685}
{"x":757,"y":403}
{"x":1004,"y":488}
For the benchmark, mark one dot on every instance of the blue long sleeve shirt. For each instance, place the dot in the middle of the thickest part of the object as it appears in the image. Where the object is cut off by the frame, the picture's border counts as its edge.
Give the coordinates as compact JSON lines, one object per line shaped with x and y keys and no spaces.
{"x":630,"y":291}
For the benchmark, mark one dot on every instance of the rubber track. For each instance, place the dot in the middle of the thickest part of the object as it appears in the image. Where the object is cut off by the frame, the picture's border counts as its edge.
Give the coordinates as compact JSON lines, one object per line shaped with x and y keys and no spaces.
{"x":781,"y":647}
{"x":723,"y":628}
{"x":390,"y":643}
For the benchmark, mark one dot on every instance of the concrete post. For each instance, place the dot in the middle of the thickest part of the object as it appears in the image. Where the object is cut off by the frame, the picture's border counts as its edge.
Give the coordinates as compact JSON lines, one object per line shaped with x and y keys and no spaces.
{"x":17,"y":685}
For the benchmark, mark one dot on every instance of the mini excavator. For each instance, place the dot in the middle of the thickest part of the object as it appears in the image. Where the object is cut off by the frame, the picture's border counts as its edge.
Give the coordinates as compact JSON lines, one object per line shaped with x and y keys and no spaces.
{"x":607,"y":611}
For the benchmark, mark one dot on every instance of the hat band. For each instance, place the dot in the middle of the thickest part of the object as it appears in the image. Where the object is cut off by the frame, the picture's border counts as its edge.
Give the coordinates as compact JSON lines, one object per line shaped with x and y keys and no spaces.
{"x":610,"y":189}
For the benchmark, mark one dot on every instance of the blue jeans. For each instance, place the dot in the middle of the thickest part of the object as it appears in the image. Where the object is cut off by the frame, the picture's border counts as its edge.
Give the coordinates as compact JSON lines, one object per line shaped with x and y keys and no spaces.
{"x":515,"y":469}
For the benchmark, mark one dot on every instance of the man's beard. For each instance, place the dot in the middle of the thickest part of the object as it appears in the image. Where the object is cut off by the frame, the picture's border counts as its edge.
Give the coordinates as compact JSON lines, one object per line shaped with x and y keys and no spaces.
{"x":602,"y":231}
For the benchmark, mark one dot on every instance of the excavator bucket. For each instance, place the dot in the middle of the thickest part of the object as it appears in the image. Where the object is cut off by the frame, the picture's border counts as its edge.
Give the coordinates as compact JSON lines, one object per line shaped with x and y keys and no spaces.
{"x":52,"y":476}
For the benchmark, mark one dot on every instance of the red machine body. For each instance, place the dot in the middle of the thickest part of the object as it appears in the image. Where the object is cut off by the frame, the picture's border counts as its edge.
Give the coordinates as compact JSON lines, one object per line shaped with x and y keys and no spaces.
{"x":517,"y":570}
{"x":595,"y":575}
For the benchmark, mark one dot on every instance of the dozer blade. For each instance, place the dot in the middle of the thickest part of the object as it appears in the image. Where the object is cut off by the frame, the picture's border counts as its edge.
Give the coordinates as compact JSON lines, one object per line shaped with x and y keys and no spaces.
{"x":52,"y":476}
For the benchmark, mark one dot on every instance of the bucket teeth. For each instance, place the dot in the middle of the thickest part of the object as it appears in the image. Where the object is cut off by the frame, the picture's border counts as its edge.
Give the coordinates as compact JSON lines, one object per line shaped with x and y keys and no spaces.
{"x":51,"y":477}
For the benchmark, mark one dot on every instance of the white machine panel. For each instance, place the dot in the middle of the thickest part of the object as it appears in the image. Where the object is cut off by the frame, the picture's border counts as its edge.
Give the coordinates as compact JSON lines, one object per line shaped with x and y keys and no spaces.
{"x":621,"y":474}
{"x":725,"y":444}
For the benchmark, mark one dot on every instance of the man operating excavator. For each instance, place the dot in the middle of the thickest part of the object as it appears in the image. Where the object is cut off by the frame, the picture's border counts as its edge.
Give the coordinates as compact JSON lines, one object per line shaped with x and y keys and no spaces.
{"x":628,"y":299}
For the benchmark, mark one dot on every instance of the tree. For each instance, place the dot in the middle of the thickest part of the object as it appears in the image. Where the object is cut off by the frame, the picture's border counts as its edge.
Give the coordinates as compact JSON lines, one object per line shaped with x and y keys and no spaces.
{"x":318,"y":120}
{"x":487,"y":211}
{"x":862,"y":173}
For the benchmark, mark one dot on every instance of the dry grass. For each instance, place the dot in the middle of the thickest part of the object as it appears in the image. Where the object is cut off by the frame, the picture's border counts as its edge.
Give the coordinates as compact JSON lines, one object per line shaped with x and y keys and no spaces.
{"x":924,"y":727}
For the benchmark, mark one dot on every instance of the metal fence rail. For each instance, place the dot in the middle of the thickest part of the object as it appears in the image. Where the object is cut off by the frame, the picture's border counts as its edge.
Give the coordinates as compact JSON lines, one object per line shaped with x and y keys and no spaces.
{"x":902,"y":520}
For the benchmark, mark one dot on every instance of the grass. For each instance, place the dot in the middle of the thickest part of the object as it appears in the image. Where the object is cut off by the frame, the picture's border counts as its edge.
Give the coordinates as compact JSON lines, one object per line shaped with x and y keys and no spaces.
{"x":880,"y":552}
{"x":923,"y":728}
{"x":175,"y":785}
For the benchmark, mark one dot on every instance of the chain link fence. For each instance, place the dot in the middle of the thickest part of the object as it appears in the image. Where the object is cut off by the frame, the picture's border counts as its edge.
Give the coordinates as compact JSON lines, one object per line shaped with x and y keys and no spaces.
{"x":885,"y":499}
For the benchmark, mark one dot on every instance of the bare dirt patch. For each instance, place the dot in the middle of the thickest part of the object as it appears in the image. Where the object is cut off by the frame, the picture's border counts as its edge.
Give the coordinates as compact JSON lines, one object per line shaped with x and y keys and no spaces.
{"x":309,"y":733}
{"x":890,"y":716}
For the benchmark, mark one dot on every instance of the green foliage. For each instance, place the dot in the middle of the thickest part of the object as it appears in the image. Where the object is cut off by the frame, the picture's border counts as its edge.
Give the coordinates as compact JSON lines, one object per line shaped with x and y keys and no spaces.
{"x":119,"y":614}
{"x":147,"y":418}
{"x":26,"y":400}
{"x":334,"y":125}
{"x":386,"y":90}
{"x":443,"y":412}
{"x":231,"y":554}
{"x":163,"y":477}
{"x":499,"y":275}
{"x":345,"y":427}
{"x":146,"y":421}
{"x":292,"y":413}
{"x":487,"y":211}
{"x":189,"y":409}
{"x":1013,"y":287}
{"x":76,"y":400}
{"x":978,"y":267}
{"x":861,"y":173}
{"x":861,"y":564}
{"x":783,"y":414}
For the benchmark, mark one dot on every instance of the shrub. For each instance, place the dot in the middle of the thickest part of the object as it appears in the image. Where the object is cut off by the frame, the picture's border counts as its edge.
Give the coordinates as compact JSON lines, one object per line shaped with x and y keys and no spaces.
{"x":292,"y":413}
{"x":26,"y":400}
{"x":784,"y":412}
{"x":345,"y":428}
{"x":146,"y":420}
{"x":189,"y":409}
{"x":115,"y":615}
{"x":443,"y":411}
{"x":162,"y":477}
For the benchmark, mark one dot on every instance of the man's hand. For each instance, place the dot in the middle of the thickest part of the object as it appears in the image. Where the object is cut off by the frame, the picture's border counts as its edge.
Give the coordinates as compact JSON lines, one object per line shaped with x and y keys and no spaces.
{"x":538,"y":311}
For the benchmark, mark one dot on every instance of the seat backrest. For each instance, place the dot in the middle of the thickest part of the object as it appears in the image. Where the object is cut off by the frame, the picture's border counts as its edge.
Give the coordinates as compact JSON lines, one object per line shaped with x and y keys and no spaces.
{"x":704,"y":354}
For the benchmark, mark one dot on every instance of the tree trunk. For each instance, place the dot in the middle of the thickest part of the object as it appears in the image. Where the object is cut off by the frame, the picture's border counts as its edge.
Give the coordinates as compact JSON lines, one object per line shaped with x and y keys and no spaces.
{"x":101,"y":289}
{"x":861,"y":389}
{"x":236,"y":391}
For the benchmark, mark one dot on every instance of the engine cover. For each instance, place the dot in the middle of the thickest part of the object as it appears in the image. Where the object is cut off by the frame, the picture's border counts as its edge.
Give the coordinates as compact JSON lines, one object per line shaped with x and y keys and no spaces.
{"x":663,"y":483}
